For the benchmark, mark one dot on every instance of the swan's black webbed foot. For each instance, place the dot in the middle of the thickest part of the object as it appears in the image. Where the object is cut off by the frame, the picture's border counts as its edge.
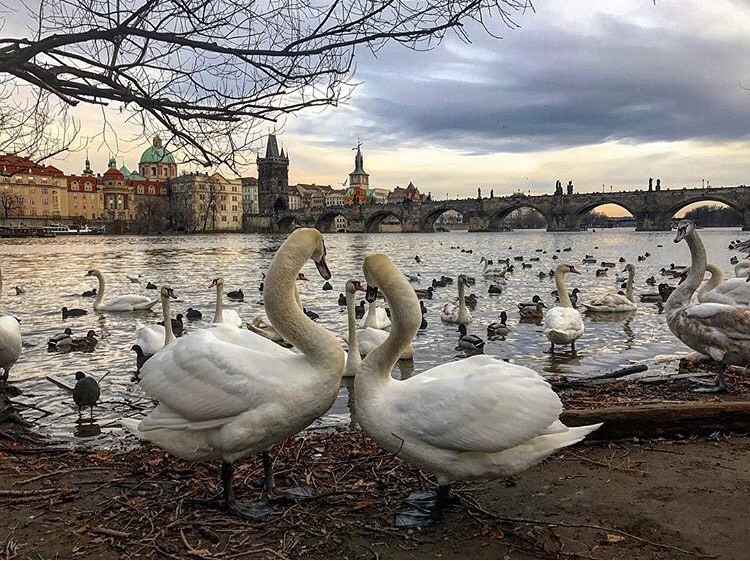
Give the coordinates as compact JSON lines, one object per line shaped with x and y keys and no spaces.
{"x":255,"y":511}
{"x":719,"y":386}
{"x":427,"y":508}
{"x":280,"y":494}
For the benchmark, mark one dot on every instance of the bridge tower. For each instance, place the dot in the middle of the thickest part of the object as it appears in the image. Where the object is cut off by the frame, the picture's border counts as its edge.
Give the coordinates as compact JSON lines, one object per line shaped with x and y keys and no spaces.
{"x":273,"y":179}
{"x":359,"y":181}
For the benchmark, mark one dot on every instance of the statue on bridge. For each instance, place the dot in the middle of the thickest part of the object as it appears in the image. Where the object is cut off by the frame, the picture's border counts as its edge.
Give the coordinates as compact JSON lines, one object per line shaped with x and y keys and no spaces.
{"x":658,"y":184}
{"x":492,"y":193}
{"x":558,"y":188}
{"x":479,"y":193}
{"x":650,"y":183}
{"x":570,"y":187}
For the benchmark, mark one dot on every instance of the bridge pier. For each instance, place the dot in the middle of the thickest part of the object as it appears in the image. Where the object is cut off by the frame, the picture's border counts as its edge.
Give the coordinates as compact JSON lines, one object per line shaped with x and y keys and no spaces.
{"x":563,"y":223}
{"x":652,"y":222}
{"x":479,"y":223}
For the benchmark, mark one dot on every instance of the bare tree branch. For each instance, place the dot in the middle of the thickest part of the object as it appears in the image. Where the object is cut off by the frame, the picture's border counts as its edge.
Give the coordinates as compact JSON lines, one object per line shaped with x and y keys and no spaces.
{"x":210,"y":70}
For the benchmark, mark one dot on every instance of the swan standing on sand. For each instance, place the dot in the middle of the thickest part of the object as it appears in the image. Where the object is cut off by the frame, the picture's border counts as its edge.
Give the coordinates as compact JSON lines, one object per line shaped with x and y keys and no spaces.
{"x":230,"y":317}
{"x":152,"y":338}
{"x":220,"y":400}
{"x":10,"y":341}
{"x":734,"y":292}
{"x":563,"y":324}
{"x":456,"y":312}
{"x":476,"y":418}
{"x":717,"y":330}
{"x":614,"y":302}
{"x":124,"y":303}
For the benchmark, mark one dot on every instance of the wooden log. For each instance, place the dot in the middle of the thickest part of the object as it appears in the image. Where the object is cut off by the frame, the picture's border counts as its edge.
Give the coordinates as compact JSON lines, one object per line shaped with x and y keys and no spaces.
{"x":60,"y":383}
{"x":651,"y":420}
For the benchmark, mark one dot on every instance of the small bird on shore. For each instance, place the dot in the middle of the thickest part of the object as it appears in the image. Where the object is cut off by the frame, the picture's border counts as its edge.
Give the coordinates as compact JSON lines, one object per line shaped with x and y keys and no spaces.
{"x":85,"y":393}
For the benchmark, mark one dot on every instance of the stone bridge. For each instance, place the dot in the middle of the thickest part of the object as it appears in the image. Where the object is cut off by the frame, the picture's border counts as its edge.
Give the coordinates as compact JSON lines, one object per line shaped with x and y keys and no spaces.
{"x":653,"y":210}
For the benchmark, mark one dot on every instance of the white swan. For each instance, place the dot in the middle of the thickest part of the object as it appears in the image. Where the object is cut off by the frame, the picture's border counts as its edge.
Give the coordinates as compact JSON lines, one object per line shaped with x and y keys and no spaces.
{"x":720,"y":331}
{"x":735,"y":292}
{"x":220,"y":400}
{"x":742,"y":269}
{"x":614,"y":302}
{"x":376,"y":317}
{"x":563,"y":324}
{"x":457,"y":312}
{"x":369,"y":338}
{"x":476,"y":418}
{"x":353,"y":358}
{"x":152,"y":338}
{"x":493,"y":270}
{"x":230,"y":317}
{"x":10,"y":341}
{"x":124,"y":303}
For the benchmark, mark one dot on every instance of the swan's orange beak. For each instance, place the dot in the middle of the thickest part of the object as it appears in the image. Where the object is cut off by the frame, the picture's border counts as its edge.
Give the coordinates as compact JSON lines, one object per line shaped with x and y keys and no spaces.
{"x":358,"y":286}
{"x":323,"y":268}
{"x":213,"y":283}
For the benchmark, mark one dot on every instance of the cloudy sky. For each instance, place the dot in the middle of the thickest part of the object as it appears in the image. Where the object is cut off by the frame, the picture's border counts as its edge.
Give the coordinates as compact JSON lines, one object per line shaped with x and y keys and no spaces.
{"x":603,"y":93}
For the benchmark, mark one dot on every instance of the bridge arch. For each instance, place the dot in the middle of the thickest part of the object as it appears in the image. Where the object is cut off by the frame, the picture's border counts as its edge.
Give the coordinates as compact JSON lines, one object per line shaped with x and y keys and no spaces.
{"x":580,"y":211}
{"x":428,"y":220}
{"x":331,"y":221}
{"x":287,"y":223}
{"x":700,"y":198}
{"x":495,"y":221}
{"x":374,"y":220}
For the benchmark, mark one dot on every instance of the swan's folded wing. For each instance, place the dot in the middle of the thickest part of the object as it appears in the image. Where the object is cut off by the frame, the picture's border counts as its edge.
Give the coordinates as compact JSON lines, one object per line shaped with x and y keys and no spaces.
{"x":478,"y":404}
{"x":202,"y":378}
{"x":248,"y":339}
{"x":730,"y":321}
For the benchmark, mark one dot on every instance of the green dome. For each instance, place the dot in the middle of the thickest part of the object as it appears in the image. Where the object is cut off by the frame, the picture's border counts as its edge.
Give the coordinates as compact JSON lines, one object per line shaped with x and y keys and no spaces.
{"x":156,"y":155}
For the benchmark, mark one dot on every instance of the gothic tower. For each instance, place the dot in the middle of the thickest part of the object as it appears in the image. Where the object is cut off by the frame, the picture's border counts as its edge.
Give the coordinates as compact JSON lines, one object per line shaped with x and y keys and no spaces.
{"x":359,"y":181}
{"x":273,"y":179}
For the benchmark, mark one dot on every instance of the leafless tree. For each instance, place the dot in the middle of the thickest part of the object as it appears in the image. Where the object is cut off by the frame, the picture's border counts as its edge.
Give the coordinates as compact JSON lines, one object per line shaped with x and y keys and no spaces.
{"x":151,"y":214}
{"x":212,"y":72}
{"x":209,"y":204}
{"x":11,"y":204}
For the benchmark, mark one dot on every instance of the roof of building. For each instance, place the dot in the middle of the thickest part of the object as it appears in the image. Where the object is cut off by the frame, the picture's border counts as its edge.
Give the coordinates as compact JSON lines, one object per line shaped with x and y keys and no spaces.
{"x":156,"y":154}
{"x":359,"y":163}
{"x":113,"y":173}
{"x":11,"y":164}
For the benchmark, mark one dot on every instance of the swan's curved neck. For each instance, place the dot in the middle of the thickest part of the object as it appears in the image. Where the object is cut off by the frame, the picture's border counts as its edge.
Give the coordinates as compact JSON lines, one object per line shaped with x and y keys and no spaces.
{"x":219,"y":314}
{"x":318,"y":345}
{"x":717,"y":277}
{"x":353,"y":360}
{"x":562,"y":291}
{"x":405,"y":321}
{"x":372,"y":309}
{"x":167,"y":317}
{"x":629,"y":287}
{"x":680,"y":298}
{"x":100,"y":291}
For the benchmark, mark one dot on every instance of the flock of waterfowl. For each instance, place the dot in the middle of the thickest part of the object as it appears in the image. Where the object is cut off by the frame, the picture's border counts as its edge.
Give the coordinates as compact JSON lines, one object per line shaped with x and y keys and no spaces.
{"x":233,"y":389}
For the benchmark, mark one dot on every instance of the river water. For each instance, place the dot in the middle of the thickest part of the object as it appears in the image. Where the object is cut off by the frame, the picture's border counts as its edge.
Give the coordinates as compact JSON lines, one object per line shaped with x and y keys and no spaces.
{"x":52,"y":271}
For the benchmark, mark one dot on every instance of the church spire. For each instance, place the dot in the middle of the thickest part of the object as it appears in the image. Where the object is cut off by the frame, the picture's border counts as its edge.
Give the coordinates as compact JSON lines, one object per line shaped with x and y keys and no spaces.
{"x":272,"y":150}
{"x":87,"y":170}
{"x":359,"y":168}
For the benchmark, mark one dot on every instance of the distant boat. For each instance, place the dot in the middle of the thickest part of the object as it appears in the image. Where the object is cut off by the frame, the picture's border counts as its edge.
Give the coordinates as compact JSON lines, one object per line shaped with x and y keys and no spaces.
{"x":62,"y":229}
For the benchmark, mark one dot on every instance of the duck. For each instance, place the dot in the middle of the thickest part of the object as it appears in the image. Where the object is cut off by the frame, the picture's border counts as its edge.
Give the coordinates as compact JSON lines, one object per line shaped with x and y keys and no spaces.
{"x":601,"y":272}
{"x":665,"y":291}
{"x":608,"y":264}
{"x":89,"y":293}
{"x":177,"y":324}
{"x":151,"y":286}
{"x":236,"y":295}
{"x":573,"y":295}
{"x":312,"y":315}
{"x":230,"y":317}
{"x":85,"y":393}
{"x":651,"y":281}
{"x":140,"y":357}
{"x":124,"y":303}
{"x":467,"y":342}
{"x":73,"y":312}
{"x":457,"y":312}
{"x":376,"y":317}
{"x":495,"y":289}
{"x":85,"y":344}
{"x":532,"y":313}
{"x":10,"y":342}
{"x":471,"y":301}
{"x":439,"y":422}
{"x":152,"y":338}
{"x":53,"y":341}
{"x":359,"y":310}
{"x":563,"y":324}
{"x":423,"y":325}
{"x":493,"y":271}
{"x":417,"y":259}
{"x":135,"y":279}
{"x":499,"y":328}
{"x":193,"y":315}
{"x":422,"y":307}
{"x":342,"y":299}
{"x":734,"y":292}
{"x":19,"y":290}
{"x":717,"y":330}
{"x":222,"y":400}
{"x":614,"y":302}
{"x":424,"y":292}
{"x":327,"y":286}
{"x":533,"y":304}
